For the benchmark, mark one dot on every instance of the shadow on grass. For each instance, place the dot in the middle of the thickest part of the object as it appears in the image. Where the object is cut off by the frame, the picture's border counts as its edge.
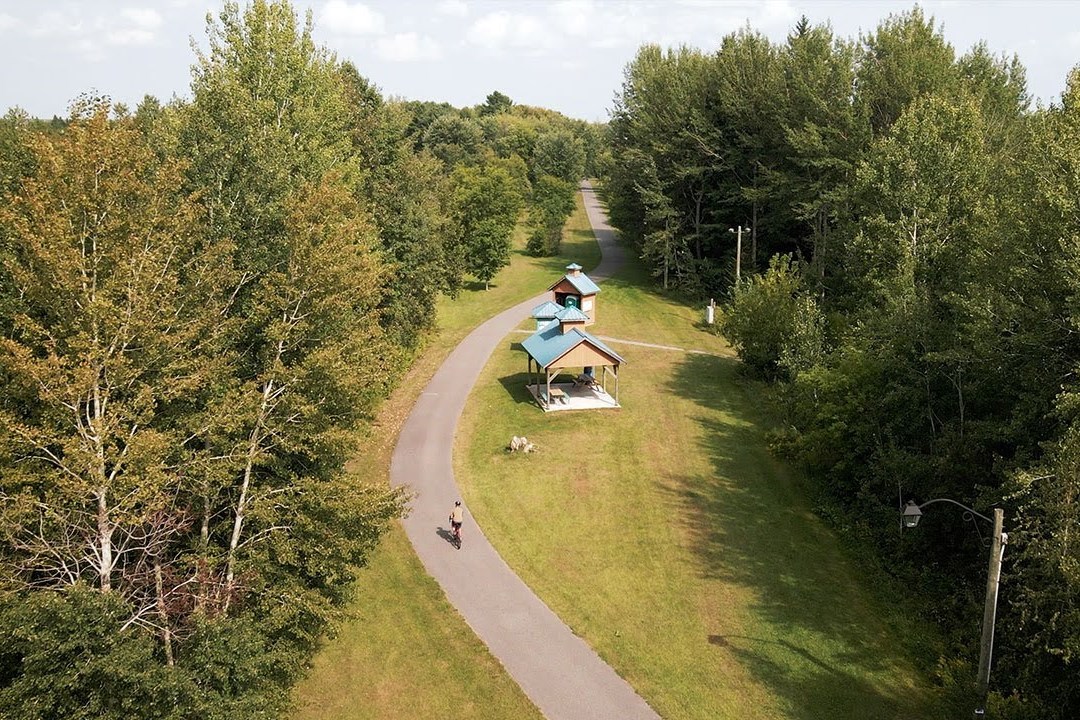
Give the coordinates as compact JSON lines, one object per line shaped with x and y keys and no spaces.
{"x":823,"y":647}
{"x":515,"y":386}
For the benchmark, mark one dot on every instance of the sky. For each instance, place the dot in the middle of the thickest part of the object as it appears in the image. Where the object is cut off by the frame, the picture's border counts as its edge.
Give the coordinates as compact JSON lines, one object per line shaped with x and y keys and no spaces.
{"x":566,"y":55}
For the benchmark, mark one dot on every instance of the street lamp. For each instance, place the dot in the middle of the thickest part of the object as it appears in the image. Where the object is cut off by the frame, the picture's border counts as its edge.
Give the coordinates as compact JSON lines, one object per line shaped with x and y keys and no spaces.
{"x":738,"y":249}
{"x":910,"y":516}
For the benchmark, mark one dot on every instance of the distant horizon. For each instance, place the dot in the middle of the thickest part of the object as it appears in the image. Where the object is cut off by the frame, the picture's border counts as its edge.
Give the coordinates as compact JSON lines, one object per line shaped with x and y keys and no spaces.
{"x":565,"y":56}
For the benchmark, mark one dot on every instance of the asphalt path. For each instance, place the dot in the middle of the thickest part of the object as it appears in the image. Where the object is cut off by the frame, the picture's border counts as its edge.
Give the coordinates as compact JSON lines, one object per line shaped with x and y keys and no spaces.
{"x":558,"y":671}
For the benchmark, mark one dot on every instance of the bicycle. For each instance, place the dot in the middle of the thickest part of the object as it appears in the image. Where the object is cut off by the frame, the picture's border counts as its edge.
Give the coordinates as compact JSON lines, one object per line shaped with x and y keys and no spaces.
{"x":455,"y":529}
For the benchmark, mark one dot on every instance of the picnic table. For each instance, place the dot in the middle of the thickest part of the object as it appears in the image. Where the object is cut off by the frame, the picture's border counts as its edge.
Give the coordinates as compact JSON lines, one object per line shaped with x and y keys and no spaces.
{"x":560,"y":395}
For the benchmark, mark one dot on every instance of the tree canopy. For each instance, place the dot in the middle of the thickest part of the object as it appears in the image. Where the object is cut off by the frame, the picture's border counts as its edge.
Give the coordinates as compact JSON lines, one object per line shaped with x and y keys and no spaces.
{"x":911,"y":272}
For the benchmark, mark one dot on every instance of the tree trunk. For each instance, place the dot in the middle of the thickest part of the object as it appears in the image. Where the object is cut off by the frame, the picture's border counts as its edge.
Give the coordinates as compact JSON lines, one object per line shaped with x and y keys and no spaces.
{"x":753,"y":236}
{"x":697,"y":223}
{"x":254,"y":442}
{"x":95,"y":427}
{"x":104,"y":529}
{"x":166,"y":633}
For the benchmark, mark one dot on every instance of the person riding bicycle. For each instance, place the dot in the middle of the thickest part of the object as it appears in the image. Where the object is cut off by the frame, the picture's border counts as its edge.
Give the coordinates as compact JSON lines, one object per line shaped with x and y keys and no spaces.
{"x":457,"y":516}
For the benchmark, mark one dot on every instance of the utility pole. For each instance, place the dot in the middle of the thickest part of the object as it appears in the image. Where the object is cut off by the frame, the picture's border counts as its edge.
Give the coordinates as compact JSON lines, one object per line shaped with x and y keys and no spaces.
{"x":993,"y":579}
{"x":909,"y":518}
{"x":738,"y":250}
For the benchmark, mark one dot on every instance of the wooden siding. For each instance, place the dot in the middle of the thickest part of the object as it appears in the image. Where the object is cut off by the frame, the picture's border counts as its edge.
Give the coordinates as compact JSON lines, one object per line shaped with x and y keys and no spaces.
{"x":584,"y":355}
{"x":565,"y":287}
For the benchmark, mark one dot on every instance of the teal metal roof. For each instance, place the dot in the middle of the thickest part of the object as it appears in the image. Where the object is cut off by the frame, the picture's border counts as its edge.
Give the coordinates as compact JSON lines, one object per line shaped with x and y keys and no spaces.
{"x":549,"y":344}
{"x":572,"y":314}
{"x":581,"y":283}
{"x":584,"y":284}
{"x":547,"y":310}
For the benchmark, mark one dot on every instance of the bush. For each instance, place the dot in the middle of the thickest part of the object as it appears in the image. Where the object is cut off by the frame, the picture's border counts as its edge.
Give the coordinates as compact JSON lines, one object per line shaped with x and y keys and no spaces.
{"x":67,"y":655}
{"x":777,"y":328}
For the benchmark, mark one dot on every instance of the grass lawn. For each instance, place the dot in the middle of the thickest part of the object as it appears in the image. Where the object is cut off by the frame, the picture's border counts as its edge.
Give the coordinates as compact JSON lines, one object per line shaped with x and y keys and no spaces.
{"x":407,"y":653}
{"x":666,"y":535}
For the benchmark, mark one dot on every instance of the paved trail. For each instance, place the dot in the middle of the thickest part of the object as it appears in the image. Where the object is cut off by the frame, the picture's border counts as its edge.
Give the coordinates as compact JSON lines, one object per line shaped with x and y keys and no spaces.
{"x":555,"y":668}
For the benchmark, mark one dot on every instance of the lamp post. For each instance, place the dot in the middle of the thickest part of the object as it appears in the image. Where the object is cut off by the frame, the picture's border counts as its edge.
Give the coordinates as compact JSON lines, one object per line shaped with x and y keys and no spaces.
{"x":738,"y":249}
{"x":910,"y":516}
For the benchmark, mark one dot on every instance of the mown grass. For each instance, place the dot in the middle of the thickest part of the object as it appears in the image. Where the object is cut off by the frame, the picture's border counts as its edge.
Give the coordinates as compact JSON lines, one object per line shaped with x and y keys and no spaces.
{"x":667,"y":536}
{"x":406,"y":653}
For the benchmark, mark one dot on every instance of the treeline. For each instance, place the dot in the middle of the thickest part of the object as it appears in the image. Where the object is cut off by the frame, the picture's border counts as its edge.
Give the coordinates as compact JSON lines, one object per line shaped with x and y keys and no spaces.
{"x":540,"y":151}
{"x":201,"y":306}
{"x":913,"y":256}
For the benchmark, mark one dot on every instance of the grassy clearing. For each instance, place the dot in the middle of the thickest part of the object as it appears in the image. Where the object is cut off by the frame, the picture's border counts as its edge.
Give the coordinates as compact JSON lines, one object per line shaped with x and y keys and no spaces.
{"x":406,"y":653}
{"x":667,"y":536}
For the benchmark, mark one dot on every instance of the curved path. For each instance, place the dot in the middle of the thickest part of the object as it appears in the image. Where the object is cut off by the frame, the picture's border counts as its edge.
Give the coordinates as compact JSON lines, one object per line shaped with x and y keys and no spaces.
{"x":556,"y":669}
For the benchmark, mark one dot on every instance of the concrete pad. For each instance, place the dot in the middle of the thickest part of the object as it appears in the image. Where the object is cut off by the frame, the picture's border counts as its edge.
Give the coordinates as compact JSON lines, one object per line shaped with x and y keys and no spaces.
{"x":574,"y":398}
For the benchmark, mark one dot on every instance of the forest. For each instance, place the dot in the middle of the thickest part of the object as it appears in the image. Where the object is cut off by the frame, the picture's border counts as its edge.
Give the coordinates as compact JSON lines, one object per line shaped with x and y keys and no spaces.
{"x":202,"y":304}
{"x":907,"y":302}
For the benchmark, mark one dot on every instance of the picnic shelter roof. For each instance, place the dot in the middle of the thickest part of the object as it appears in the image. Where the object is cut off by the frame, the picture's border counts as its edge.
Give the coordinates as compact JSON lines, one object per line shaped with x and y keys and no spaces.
{"x":546,"y":346}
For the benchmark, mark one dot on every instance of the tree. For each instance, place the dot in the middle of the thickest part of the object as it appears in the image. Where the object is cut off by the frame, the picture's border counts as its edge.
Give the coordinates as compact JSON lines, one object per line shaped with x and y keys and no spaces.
{"x":403,"y":190}
{"x":455,"y":140}
{"x":905,"y":58}
{"x":496,"y":103}
{"x":822,"y":134}
{"x":551,"y":203}
{"x":116,"y":331}
{"x":485,"y":208}
{"x":62,"y":656}
{"x":190,"y":347}
{"x":773,"y":323}
{"x":270,"y":112}
{"x":560,"y":154}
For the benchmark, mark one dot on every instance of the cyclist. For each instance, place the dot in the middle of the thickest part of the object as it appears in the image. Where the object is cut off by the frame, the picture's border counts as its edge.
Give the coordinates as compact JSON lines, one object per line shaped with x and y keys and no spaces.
{"x":457,"y":516}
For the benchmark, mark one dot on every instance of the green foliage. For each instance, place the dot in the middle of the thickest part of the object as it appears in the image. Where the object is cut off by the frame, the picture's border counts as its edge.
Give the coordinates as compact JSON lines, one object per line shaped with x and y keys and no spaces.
{"x":496,"y":103}
{"x":561,"y":154}
{"x":116,"y":328}
{"x":455,"y":140}
{"x":1045,"y":596}
{"x":68,"y":655}
{"x":486,"y":205}
{"x":16,"y":160}
{"x":404,"y":192}
{"x":775,"y":326}
{"x":927,"y":341}
{"x":193,"y":337}
{"x":551,"y":203}
{"x":904,"y":59}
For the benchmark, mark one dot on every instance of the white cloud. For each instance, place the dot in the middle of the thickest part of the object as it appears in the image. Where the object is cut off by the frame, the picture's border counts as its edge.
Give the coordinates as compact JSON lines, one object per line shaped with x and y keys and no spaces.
{"x":7,"y":22}
{"x":574,"y":17}
{"x":490,"y":30}
{"x":456,"y":8}
{"x":502,"y":29}
{"x":88,"y":35}
{"x":629,"y":26}
{"x":53,"y":23}
{"x":778,"y":12}
{"x":129,"y":36}
{"x":143,"y":18}
{"x":407,"y":47}
{"x":135,"y":26}
{"x":347,"y":18}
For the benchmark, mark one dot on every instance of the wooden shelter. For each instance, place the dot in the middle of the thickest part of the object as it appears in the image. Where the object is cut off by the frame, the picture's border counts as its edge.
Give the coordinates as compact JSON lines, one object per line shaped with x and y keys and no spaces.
{"x":561,"y":343}
{"x":565,"y":345}
{"x":576,"y":290}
